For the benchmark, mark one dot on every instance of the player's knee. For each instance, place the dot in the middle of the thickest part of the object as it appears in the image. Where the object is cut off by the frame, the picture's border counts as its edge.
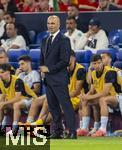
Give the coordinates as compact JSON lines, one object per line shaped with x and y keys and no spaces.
{"x":102,"y":101}
{"x":34,"y":104}
{"x":16,"y":105}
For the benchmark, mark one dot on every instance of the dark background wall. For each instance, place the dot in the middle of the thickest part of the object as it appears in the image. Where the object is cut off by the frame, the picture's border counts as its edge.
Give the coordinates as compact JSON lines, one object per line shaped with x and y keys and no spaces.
{"x":37,"y":21}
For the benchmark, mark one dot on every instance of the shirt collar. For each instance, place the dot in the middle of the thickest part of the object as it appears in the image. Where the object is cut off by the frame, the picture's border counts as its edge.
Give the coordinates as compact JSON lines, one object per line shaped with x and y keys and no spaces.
{"x":55,"y":34}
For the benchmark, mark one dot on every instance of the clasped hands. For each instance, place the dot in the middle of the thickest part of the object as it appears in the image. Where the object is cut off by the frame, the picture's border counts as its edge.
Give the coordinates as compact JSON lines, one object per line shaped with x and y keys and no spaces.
{"x":44,"y":69}
{"x":84,"y":97}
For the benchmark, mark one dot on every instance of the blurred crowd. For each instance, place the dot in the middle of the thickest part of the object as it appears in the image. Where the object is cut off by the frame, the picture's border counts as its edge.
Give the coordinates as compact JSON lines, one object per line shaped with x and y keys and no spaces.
{"x":59,"y":5}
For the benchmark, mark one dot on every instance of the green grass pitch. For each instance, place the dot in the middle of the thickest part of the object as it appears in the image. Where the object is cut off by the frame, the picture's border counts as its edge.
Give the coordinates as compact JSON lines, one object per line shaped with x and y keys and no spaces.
{"x":83,"y":143}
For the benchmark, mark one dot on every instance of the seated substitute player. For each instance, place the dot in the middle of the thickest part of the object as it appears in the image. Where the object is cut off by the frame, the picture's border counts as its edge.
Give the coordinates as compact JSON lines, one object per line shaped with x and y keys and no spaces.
{"x":96,"y":112}
{"x":29,"y":76}
{"x":104,"y":90}
{"x":13,"y":90}
{"x":107,"y":61}
{"x":77,"y":85}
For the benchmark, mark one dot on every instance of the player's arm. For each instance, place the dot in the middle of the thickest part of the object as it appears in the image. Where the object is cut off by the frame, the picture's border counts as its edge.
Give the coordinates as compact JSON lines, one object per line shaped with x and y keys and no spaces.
{"x":81,"y":76}
{"x":36,"y":88}
{"x":15,"y":99}
{"x":110,"y":78}
{"x":92,"y":90}
{"x":36,"y":82}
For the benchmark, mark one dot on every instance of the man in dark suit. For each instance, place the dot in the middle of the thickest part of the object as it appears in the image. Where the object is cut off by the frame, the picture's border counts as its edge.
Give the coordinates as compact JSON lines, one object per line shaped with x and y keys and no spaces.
{"x":55,"y":55}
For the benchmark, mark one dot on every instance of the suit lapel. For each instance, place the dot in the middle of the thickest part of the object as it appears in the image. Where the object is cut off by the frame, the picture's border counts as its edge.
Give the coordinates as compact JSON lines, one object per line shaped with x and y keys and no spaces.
{"x":53,"y":44}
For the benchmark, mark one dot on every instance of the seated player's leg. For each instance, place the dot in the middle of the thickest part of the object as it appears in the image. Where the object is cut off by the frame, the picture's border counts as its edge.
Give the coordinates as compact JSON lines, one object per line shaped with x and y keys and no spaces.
{"x":36,"y":104}
{"x":85,"y":119}
{"x":18,"y":107}
{"x":80,"y":116}
{"x":86,"y":112}
{"x":96,"y":115}
{"x":47,"y":118}
{"x":4,"y":111}
{"x":44,"y":109}
{"x":43,"y":115}
{"x":104,"y":102}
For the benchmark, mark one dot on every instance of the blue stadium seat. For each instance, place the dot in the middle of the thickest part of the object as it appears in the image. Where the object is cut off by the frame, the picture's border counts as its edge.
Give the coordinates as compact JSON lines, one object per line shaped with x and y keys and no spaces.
{"x":34,"y":46}
{"x":115,"y":37}
{"x":32,"y":36}
{"x":15,"y":54}
{"x":40,"y":36}
{"x":35,"y":55}
{"x":112,"y":51}
{"x":118,"y":64}
{"x":119,"y":55}
{"x":14,"y":64}
{"x":86,"y":65}
{"x":83,"y":56}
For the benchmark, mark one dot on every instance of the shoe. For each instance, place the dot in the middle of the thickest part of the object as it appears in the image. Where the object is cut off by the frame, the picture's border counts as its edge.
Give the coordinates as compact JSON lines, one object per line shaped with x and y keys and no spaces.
{"x":71,"y":136}
{"x":56,"y":136}
{"x":82,"y":132}
{"x":24,"y":124}
{"x":21,"y":124}
{"x":27,"y":124}
{"x":92,"y":131}
{"x":38,"y":122}
{"x":99,"y":133}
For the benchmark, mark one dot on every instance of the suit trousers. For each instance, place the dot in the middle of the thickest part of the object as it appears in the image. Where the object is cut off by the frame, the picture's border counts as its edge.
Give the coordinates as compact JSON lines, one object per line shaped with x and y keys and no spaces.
{"x":58,"y":98}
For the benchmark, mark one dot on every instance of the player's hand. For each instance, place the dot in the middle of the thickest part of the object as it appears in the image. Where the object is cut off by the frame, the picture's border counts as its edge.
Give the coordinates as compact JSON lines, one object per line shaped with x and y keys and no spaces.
{"x":18,"y":71}
{"x":89,"y":33}
{"x":44,"y":69}
{"x":84,"y":97}
{"x":42,"y":75}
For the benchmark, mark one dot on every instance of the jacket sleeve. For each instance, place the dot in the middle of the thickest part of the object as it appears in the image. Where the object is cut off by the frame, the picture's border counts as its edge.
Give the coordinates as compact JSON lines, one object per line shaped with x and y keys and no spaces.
{"x":41,"y":55}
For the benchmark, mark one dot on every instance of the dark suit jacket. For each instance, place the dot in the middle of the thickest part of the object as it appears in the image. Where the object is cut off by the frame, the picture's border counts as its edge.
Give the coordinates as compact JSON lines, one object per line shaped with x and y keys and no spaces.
{"x":56,"y":59}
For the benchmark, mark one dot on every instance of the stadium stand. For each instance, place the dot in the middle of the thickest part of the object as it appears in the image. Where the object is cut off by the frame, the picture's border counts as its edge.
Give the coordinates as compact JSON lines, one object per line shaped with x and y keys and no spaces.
{"x":32,"y":35}
{"x":112,"y":51}
{"x":83,"y":57}
{"x":14,"y":55}
{"x":115,"y":37}
{"x":35,"y":55}
{"x":118,"y":63}
{"x":40,"y":36}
